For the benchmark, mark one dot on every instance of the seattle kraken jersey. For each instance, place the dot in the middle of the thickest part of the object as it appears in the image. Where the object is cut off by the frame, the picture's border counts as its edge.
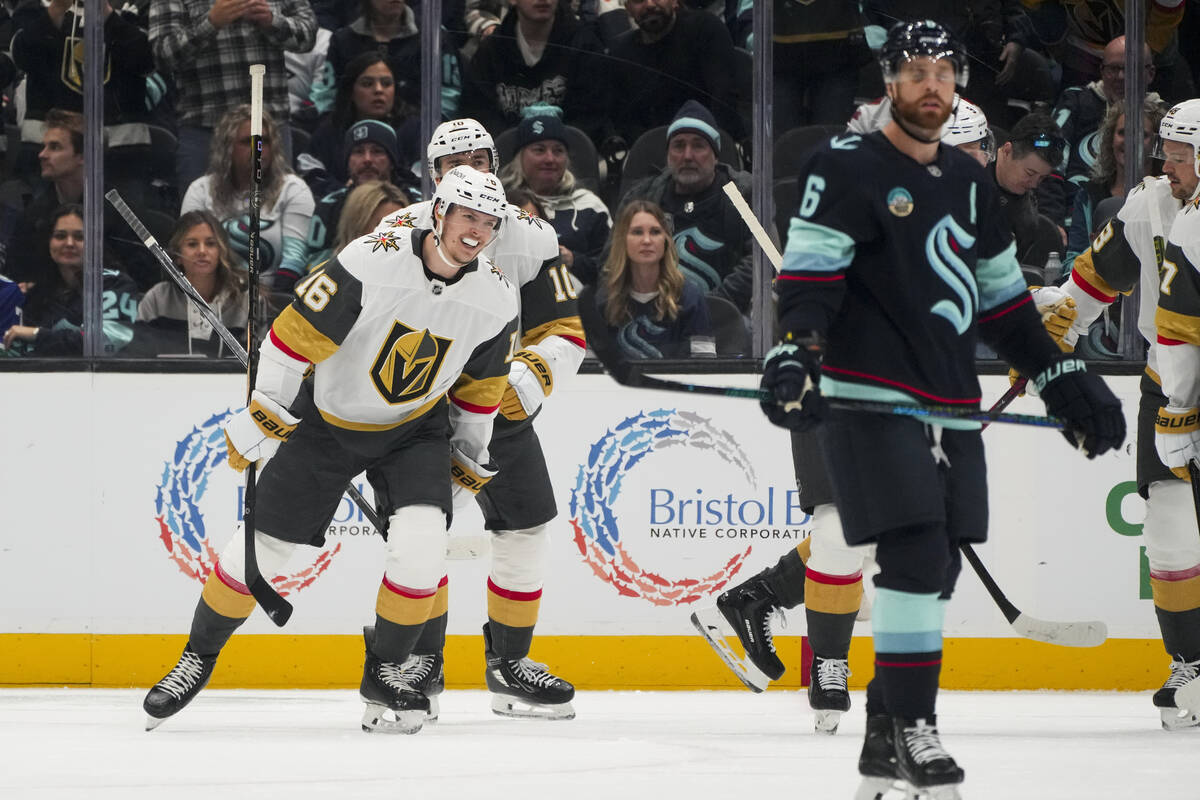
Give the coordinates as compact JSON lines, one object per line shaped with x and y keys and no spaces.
{"x":894,"y":261}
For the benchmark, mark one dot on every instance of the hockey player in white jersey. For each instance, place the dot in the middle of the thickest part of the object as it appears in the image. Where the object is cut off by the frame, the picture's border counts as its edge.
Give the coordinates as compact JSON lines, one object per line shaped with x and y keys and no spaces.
{"x":408,"y":335}
{"x":1154,"y":240}
{"x":519,"y":503}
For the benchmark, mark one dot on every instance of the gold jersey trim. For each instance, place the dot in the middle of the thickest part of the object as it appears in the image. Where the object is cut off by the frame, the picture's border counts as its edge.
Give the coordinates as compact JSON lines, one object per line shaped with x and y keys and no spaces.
{"x":301,"y":337}
{"x":350,"y":425}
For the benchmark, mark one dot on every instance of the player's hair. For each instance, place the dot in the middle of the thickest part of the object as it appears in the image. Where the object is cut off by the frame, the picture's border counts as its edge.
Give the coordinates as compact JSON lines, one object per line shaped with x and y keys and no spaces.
{"x":361,"y":204}
{"x":229,"y":277}
{"x":226,"y":198}
{"x":1104,"y":171}
{"x":71,"y":122}
{"x":620,"y":278}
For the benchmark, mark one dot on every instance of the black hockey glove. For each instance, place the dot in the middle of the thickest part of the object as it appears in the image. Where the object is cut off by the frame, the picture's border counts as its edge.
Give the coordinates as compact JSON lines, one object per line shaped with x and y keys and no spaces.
{"x":791,"y":378}
{"x":1092,"y":414}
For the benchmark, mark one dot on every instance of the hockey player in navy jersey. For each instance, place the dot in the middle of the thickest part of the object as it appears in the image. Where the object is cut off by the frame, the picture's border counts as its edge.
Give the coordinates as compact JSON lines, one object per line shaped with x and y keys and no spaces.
{"x":408,"y":335}
{"x":1154,"y":241}
{"x":896,"y":262}
{"x":519,"y":504}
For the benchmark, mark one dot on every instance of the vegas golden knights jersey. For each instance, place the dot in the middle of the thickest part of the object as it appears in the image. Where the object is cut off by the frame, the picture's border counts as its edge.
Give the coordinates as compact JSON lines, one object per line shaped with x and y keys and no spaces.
{"x":389,"y":339}
{"x":1178,"y":316}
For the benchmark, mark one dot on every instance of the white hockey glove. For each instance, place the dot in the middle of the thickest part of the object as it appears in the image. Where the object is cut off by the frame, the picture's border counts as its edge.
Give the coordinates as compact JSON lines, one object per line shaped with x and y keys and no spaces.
{"x":1058,"y":312}
{"x":530,"y":381}
{"x":467,"y":477}
{"x":1177,"y":438}
{"x":255,"y":433}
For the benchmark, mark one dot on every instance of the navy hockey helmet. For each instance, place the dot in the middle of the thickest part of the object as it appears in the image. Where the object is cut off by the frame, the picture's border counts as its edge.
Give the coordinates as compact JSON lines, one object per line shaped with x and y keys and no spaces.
{"x":909,"y":40}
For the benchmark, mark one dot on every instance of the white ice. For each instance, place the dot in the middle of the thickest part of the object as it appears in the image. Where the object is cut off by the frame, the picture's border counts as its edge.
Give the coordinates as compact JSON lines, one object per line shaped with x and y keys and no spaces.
{"x":90,"y":743}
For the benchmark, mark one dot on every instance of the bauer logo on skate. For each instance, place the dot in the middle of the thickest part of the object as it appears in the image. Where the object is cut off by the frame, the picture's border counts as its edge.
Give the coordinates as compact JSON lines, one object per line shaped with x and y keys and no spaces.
{"x":666,"y":505}
{"x":184,"y":528}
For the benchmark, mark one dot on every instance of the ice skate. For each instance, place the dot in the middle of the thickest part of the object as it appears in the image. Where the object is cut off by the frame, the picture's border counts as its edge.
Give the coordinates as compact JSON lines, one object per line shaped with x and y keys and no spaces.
{"x":178,"y":687}
{"x":827,"y":692}
{"x":525,"y":689}
{"x":877,"y":761}
{"x":747,"y":609}
{"x":425,"y":674}
{"x":393,"y":705}
{"x":929,"y":772}
{"x":1173,"y":705}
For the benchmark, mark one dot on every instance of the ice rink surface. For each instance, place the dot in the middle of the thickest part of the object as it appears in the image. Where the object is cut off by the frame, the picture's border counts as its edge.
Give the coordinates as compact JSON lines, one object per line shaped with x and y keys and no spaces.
{"x":91,"y":743}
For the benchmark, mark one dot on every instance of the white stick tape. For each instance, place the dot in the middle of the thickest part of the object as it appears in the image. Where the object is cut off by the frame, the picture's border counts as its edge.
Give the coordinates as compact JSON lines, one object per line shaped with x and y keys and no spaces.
{"x":257,"y":72}
{"x":743,"y":208}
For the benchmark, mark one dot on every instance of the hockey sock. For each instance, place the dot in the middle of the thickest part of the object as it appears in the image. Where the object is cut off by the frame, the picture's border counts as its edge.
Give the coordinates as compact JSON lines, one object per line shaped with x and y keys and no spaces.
{"x":400,"y":613}
{"x":832,"y":603}
{"x":511,"y":617}
{"x":786,"y":578}
{"x":433,"y":634}
{"x":908,"y":650}
{"x":1177,"y":605}
{"x":224,"y":605}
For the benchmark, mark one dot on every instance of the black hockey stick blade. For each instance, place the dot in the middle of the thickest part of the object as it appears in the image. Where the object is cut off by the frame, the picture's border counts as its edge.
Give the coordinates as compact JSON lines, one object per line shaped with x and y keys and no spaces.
{"x":275,"y":607}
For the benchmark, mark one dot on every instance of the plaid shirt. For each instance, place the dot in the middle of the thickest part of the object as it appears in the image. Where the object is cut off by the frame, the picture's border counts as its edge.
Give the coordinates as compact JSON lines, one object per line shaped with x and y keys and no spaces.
{"x":212,"y":67}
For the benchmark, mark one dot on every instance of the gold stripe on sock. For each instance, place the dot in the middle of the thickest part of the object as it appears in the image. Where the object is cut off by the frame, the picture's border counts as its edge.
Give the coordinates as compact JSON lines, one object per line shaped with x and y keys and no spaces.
{"x":225,"y":600}
{"x":1176,"y":595}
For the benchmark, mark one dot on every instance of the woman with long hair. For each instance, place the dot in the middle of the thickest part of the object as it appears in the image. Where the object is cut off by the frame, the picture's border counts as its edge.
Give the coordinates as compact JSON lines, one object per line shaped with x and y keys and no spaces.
{"x":287,"y":204}
{"x":651,"y":309}
{"x":361,"y":212}
{"x":53,"y":311}
{"x":167,"y":321}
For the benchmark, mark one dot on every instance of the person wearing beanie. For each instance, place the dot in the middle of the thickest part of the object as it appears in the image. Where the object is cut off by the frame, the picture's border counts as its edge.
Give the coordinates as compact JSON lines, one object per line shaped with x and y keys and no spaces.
{"x":542,"y":165}
{"x":715,"y":248}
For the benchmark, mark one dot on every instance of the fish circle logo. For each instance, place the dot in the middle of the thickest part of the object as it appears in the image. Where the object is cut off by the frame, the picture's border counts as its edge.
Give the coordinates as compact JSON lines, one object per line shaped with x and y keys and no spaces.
{"x":180,"y":520}
{"x":598,"y":484}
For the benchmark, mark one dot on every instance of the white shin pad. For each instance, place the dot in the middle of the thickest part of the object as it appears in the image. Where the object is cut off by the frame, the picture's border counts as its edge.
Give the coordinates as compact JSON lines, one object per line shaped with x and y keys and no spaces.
{"x":519,"y":558}
{"x":830,"y":553}
{"x":272,"y":555}
{"x":416,"y":547}
{"x":1170,"y":527}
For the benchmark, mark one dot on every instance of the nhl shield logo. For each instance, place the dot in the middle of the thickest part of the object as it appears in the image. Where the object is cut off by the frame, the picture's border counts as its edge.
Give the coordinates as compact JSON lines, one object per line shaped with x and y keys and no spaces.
{"x":408,"y":363}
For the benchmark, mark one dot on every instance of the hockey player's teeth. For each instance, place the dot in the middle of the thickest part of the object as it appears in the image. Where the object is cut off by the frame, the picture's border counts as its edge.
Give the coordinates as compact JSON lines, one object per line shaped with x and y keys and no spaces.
{"x":469,"y":242}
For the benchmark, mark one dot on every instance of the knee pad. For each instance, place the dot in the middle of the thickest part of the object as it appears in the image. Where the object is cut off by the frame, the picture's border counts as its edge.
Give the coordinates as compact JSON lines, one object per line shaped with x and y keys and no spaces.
{"x":1172,"y":544}
{"x":915,"y":559}
{"x":272,"y":555}
{"x":830,"y":553}
{"x":416,"y":547}
{"x":519,"y":558}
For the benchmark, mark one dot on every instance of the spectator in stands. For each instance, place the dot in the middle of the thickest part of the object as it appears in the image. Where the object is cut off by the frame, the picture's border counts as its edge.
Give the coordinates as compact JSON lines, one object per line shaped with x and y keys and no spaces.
{"x":1035,"y":146}
{"x":1108,"y":173}
{"x":208,"y":47}
{"x":542,"y":165}
{"x":1078,"y":113}
{"x":311,"y":87}
{"x":713,"y":242}
{"x":366,"y":206}
{"x":527,"y":201}
{"x":540,"y":55}
{"x":53,"y":315}
{"x":389,"y":29}
{"x":366,"y":90}
{"x":673,"y":55}
{"x":48,"y":48}
{"x":287,"y":204}
{"x":167,"y":322}
{"x":651,"y":309}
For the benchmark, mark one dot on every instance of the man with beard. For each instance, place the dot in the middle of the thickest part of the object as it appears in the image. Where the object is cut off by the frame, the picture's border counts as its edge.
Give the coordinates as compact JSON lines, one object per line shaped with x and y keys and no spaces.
{"x":672,"y":56}
{"x":896,"y":262}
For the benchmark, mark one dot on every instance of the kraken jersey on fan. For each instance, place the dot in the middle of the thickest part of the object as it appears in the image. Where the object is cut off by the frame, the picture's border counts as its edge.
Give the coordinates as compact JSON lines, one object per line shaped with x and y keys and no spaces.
{"x":526,"y":250}
{"x":893,"y":261}
{"x":424,"y":337}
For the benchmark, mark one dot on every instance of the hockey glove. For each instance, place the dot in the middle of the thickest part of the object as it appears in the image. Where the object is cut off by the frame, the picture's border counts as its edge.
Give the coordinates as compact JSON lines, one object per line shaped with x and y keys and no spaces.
{"x":791,"y":379}
{"x":255,"y":433}
{"x":1058,"y":314}
{"x":1089,"y":410}
{"x":529,"y":382}
{"x":1177,"y":438}
{"x":467,"y":477}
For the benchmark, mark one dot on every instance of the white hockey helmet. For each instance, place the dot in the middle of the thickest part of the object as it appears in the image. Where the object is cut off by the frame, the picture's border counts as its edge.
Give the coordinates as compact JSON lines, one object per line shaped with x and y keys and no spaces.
{"x":1181,"y":124}
{"x":465,"y":186}
{"x":969,"y":125}
{"x":459,"y":136}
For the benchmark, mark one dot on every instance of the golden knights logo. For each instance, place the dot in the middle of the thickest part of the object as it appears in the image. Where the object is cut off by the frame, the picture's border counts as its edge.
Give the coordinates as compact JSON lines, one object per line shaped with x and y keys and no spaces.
{"x":408,"y":363}
{"x":405,"y":220}
{"x":385,"y":240}
{"x":526,"y":217}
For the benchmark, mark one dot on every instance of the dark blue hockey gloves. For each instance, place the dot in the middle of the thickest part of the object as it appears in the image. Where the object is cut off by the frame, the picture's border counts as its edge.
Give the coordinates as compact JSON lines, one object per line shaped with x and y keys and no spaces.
{"x":791,"y":378}
{"x":1092,"y":413}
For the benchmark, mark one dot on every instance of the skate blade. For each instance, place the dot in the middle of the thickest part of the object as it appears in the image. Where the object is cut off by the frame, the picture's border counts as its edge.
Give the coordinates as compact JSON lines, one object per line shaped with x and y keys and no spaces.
{"x":826,"y":721}
{"x":877,"y":788}
{"x":1178,"y":719}
{"x":709,"y":623}
{"x":434,"y":709}
{"x":947,"y":791}
{"x":506,"y":706}
{"x":378,"y":718}
{"x":154,"y":722}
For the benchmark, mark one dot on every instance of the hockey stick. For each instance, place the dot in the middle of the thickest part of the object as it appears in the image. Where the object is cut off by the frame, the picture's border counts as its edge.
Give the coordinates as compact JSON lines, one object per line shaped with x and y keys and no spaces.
{"x":1073,"y":634}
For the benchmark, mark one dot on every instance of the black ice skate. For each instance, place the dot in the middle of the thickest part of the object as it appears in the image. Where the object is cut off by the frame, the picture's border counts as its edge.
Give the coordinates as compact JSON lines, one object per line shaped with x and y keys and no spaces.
{"x":877,"y":761}
{"x":426,"y":674}
{"x":393,"y":705}
{"x":922,"y":763}
{"x":525,"y":689}
{"x":178,"y":687}
{"x":748,"y":609}
{"x":827,"y":692}
{"x":1172,"y":703}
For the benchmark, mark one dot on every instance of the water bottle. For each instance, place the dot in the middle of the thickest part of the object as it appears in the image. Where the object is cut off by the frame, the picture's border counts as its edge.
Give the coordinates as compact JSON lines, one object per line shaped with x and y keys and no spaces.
{"x":1052,"y":272}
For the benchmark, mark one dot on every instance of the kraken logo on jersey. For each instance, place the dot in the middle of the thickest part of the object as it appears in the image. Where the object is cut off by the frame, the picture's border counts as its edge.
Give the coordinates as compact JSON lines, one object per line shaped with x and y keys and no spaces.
{"x":945,"y":241}
{"x":408,"y":363}
{"x":693,"y":247}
